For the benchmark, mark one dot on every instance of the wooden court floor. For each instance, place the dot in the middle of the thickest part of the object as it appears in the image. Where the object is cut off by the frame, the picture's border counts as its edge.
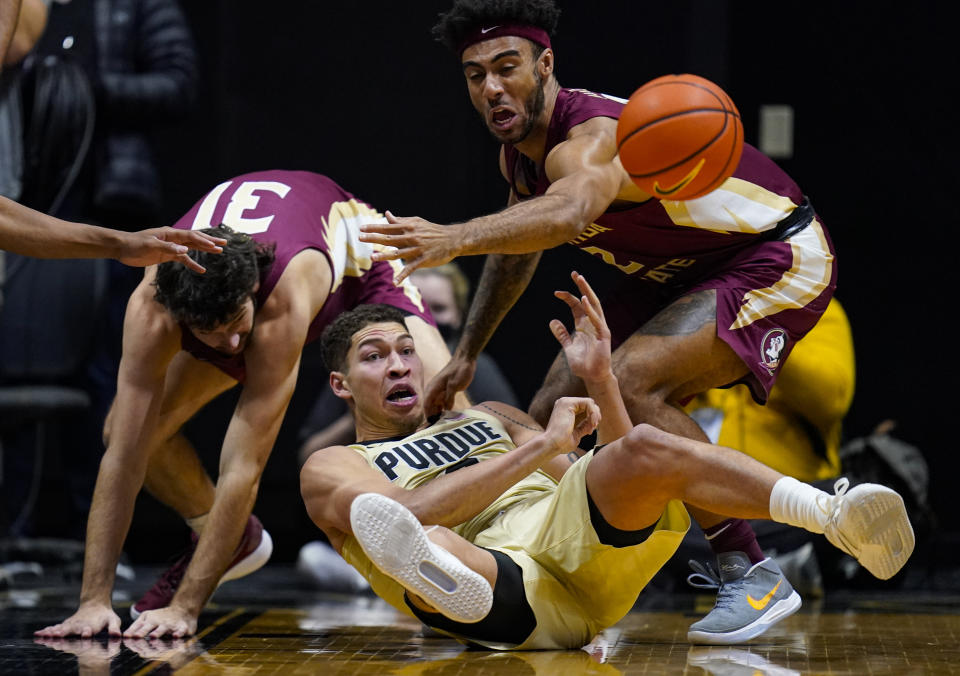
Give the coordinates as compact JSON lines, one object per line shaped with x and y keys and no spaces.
{"x":269,"y":623}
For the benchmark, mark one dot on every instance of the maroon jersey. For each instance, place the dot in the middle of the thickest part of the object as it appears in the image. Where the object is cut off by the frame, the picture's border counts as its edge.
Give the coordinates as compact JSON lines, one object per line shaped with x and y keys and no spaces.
{"x":298,"y":210}
{"x":754,"y":239}
{"x":657,"y":240}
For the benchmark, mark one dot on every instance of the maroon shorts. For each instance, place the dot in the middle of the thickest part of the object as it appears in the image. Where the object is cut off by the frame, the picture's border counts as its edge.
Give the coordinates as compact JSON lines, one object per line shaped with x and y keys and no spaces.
{"x":768,"y":297}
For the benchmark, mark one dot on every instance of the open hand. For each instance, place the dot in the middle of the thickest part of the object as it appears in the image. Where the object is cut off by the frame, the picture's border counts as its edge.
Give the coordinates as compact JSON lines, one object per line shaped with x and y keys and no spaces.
{"x":419,"y":243}
{"x":588,"y":349}
{"x":160,"y":245}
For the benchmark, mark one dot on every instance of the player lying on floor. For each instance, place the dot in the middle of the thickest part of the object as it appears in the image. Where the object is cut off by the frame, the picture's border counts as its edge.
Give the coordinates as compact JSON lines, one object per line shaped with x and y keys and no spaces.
{"x":492,"y":530}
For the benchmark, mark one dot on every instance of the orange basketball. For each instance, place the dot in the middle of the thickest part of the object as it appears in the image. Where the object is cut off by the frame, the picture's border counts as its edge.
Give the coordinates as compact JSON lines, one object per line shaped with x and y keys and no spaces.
{"x":679,"y":137}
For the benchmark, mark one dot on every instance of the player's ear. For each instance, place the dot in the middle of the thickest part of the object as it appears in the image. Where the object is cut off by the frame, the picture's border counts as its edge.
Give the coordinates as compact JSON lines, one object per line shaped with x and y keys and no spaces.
{"x":545,"y":63}
{"x":338,"y":383}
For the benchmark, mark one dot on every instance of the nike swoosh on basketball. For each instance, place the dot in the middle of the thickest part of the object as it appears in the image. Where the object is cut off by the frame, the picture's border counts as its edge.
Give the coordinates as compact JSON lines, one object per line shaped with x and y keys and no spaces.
{"x":762,"y":603}
{"x":682,"y":183}
{"x":487,"y":30}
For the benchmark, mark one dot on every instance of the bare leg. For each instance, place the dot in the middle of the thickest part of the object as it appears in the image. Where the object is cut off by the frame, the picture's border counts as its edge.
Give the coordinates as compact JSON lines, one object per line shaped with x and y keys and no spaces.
{"x":633,"y":478}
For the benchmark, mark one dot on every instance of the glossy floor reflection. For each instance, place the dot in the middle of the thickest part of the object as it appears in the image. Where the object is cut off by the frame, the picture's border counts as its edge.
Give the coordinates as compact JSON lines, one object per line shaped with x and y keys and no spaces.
{"x":270,"y":624}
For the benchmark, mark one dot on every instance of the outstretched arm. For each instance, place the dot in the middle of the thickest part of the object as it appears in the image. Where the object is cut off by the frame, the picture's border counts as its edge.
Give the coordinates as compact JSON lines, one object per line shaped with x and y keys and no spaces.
{"x":32,"y":233}
{"x":587,"y":351}
{"x":586,"y":177}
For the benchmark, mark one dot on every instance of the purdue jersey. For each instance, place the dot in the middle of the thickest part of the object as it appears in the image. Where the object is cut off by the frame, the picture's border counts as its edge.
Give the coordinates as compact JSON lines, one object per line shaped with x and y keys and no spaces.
{"x":458,"y":439}
{"x":574,"y":584}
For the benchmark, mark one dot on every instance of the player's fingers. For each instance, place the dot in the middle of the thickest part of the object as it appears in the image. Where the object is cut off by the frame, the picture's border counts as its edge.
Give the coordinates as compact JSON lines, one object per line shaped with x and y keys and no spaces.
{"x":450,"y":393}
{"x":393,"y":254}
{"x":113,"y":627}
{"x":407,"y":271}
{"x":587,"y":290}
{"x":161,"y":630}
{"x":599,"y":325}
{"x":572,"y":302}
{"x":433,"y":399}
{"x":560,"y":332}
{"x":393,"y":226}
{"x":193,"y":238}
{"x":173,"y":248}
{"x":139,"y":628}
{"x":191,"y":264}
{"x":200,"y":240}
{"x":382,"y":237}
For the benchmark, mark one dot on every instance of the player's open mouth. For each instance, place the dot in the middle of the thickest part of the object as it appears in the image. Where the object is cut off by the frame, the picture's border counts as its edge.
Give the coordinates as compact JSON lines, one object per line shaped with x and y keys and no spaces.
{"x":502,"y":118}
{"x":402,"y":396}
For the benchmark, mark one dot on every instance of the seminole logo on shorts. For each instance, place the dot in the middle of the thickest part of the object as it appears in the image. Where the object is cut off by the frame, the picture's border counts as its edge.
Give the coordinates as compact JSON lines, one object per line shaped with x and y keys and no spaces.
{"x":771,"y":348}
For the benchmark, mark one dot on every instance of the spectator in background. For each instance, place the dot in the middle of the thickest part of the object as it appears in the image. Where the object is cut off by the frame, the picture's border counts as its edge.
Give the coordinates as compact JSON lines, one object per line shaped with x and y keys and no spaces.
{"x":446,"y":293}
{"x":103,"y":75}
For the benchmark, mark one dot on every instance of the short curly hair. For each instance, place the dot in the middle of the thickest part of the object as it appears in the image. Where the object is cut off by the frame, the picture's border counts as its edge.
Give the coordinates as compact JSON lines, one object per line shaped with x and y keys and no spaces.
{"x":206,"y":301}
{"x":335,"y":339}
{"x":466,"y":16}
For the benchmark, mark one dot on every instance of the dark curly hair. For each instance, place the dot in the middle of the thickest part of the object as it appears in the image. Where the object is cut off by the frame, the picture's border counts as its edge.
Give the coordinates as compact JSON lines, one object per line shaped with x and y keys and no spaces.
{"x":335,"y":339}
{"x":205,"y":301}
{"x":467,"y":15}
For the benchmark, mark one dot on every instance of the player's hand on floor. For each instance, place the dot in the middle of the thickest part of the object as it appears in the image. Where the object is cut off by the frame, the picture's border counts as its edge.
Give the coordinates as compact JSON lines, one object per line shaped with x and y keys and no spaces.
{"x":169,"y":621}
{"x":89,"y":620}
{"x":587,"y":349}
{"x":455,"y":377}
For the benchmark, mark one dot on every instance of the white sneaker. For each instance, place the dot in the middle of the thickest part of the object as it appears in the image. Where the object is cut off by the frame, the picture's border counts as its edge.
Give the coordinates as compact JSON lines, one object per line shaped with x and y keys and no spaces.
{"x":398,"y":545}
{"x":870,"y":524}
{"x":320,"y":563}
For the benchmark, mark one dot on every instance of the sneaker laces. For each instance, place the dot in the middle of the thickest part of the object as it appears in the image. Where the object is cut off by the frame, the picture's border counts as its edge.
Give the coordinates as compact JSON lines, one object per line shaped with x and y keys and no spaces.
{"x":830,"y":504}
{"x":703,"y":577}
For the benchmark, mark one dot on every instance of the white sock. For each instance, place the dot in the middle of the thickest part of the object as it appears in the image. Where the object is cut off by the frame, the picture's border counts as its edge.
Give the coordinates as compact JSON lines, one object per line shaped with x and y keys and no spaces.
{"x":198,"y":522}
{"x":795,"y":503}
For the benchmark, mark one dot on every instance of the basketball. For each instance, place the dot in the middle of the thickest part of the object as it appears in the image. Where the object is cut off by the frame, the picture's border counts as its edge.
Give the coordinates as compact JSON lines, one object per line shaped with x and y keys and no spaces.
{"x":679,"y":137}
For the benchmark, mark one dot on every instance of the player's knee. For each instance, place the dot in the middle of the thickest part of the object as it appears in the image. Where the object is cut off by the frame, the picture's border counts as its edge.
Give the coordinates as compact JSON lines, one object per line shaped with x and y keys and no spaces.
{"x":652,"y":452}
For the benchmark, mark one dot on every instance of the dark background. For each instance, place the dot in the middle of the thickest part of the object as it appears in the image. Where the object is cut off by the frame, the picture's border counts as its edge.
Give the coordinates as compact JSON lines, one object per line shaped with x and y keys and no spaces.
{"x":360,"y":92}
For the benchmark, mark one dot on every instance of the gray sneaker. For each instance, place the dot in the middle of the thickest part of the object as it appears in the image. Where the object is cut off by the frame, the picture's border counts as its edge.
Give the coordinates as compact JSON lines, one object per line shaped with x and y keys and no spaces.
{"x":750,"y":599}
{"x":870,"y":524}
